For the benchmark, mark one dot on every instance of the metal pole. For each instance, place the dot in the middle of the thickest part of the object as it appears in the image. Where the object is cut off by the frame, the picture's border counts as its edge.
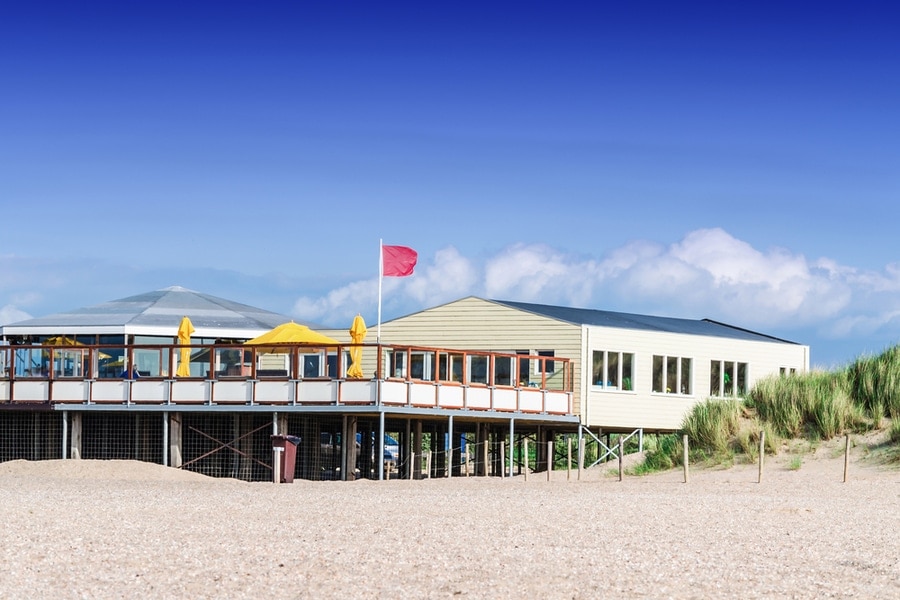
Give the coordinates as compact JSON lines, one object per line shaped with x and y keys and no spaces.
{"x":450,"y":446}
{"x":65,"y":434}
{"x":165,"y":448}
{"x":380,"y":445}
{"x":512,"y":446}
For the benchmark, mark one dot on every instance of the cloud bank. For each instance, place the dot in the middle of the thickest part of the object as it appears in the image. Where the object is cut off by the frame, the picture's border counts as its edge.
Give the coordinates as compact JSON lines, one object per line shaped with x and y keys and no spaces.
{"x":707,"y":274}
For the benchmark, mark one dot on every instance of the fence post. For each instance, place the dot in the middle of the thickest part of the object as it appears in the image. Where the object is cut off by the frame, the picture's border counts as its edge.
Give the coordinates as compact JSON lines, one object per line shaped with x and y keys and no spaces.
{"x":846,"y":455}
{"x":549,"y":458}
{"x":502,"y":460}
{"x":486,"y":442}
{"x":569,"y":459}
{"x":525,"y":456}
{"x":762,"y":453}
{"x":684,"y":456}
{"x":621,"y":458}
{"x":580,"y":456}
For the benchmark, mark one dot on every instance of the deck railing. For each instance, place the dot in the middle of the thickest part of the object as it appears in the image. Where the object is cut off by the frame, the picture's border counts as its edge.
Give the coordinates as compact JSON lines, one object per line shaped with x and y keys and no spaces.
{"x":293,"y":375}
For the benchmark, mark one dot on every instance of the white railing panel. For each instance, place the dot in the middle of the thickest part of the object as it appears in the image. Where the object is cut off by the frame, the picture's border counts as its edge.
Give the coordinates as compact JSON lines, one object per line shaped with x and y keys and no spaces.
{"x":233,"y":392}
{"x":395,"y":392}
{"x":557,"y":403}
{"x":424,"y":394}
{"x":478,"y":397}
{"x":273,"y":392}
{"x":149,"y":391}
{"x":4,"y":391}
{"x":453,"y":396}
{"x":360,"y":392}
{"x":504,"y":399}
{"x":28,"y":391}
{"x":531,"y":400}
{"x":114,"y":390}
{"x":190,"y":391}
{"x":317,"y":392}
{"x":69,"y":391}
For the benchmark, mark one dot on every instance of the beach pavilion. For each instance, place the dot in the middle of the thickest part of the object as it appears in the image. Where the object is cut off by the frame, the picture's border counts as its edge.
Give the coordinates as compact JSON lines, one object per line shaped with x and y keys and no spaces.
{"x":63,"y":394}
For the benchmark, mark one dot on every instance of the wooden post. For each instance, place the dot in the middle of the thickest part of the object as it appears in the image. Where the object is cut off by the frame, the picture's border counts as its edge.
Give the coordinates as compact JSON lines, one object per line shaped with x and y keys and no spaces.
{"x":684,"y":456}
{"x":428,"y":464}
{"x":569,"y":459}
{"x":525,"y":456}
{"x":276,"y":464}
{"x":485,"y":452}
{"x":549,"y":458}
{"x":762,"y":454}
{"x":621,"y":459}
{"x":846,"y":455}
{"x":467,"y":460}
{"x":580,"y":456}
{"x":502,"y":457}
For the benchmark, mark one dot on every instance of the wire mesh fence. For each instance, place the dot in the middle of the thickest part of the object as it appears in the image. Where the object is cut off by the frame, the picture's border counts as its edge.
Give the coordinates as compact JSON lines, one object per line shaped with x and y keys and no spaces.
{"x":239,"y":445}
{"x":30,"y":435}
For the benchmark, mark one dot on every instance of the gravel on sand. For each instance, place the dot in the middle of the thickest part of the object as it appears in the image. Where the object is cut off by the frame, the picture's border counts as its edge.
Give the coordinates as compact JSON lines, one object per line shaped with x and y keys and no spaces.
{"x":125,"y":529}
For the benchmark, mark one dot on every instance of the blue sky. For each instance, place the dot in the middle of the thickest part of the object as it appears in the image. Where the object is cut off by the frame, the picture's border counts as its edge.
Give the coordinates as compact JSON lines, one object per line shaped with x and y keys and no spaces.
{"x":699,"y":160}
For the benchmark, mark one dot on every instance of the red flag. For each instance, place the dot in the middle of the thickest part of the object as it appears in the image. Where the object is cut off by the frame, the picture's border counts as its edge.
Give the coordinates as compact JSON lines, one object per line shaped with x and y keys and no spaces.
{"x":398,"y":261}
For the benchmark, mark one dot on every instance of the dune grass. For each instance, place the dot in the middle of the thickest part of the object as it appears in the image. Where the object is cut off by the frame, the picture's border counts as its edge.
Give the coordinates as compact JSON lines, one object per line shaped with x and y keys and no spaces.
{"x":814,"y":406}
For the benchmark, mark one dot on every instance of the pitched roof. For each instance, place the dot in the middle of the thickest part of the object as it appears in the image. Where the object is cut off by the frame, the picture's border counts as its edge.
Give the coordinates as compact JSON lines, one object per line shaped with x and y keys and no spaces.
{"x":606,"y":318}
{"x":156,"y":313}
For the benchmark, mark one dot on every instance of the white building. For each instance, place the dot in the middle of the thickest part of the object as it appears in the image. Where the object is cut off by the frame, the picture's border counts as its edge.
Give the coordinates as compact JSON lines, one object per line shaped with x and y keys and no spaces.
{"x":630,"y":371}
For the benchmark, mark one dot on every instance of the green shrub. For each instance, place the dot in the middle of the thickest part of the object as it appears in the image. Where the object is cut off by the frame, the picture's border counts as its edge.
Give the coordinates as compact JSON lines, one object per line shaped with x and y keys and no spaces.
{"x":875,"y":383}
{"x":894,"y":431}
{"x":711,"y":424}
{"x":815,"y":404}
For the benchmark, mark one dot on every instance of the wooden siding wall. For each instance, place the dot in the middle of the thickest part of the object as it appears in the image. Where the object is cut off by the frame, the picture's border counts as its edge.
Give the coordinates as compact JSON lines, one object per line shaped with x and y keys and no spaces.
{"x":476,"y":324}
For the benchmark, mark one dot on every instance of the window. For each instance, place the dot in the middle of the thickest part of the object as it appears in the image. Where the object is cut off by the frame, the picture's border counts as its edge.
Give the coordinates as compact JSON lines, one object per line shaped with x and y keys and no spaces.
{"x":455,"y":363}
{"x":727,"y":378}
{"x":524,"y":368}
{"x":613,"y":370}
{"x":788,"y":371}
{"x":503,"y":370}
{"x":420,"y":365}
{"x":478,"y":369}
{"x":545,"y":366}
{"x":672,"y":375}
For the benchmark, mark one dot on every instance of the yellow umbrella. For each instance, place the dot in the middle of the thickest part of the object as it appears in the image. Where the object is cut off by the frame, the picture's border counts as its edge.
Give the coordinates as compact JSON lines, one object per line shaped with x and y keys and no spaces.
{"x":61,"y":340}
{"x":357,"y":335}
{"x":288,"y":334}
{"x":185,"y":329}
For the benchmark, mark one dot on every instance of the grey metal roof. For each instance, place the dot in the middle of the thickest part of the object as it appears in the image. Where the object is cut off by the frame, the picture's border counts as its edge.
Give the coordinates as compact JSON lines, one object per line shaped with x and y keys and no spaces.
{"x":605,"y":318}
{"x":157,"y":313}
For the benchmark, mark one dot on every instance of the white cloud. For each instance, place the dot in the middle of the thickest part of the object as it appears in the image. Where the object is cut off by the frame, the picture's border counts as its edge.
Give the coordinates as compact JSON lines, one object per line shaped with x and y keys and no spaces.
{"x":11,"y":314}
{"x":707,"y":274}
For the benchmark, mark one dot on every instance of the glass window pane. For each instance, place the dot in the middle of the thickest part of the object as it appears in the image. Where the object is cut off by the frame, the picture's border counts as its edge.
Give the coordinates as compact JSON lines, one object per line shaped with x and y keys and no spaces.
{"x":685,"y":376}
{"x":627,"y":375}
{"x":612,"y":369}
{"x":658,"y":373}
{"x":597,"y":368}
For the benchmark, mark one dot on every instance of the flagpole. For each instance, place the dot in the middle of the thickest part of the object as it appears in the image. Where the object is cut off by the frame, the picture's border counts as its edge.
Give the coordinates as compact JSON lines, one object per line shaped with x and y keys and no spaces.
{"x":380,"y":277}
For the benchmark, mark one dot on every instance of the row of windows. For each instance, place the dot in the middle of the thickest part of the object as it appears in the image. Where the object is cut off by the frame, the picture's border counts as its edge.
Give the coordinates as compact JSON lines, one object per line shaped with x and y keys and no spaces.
{"x":670,"y":374}
{"x":507,"y":369}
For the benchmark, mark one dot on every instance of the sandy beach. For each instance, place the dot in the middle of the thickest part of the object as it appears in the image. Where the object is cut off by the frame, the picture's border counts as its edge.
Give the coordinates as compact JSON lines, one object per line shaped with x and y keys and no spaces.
{"x":123,"y":529}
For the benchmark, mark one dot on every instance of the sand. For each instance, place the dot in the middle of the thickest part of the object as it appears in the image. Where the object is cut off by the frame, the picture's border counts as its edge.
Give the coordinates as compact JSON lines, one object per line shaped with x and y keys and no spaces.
{"x":123,"y":529}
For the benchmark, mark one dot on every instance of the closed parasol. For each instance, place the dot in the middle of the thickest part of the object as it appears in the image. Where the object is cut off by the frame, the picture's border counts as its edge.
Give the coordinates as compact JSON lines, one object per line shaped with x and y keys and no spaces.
{"x":357,"y":335}
{"x":185,"y":329}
